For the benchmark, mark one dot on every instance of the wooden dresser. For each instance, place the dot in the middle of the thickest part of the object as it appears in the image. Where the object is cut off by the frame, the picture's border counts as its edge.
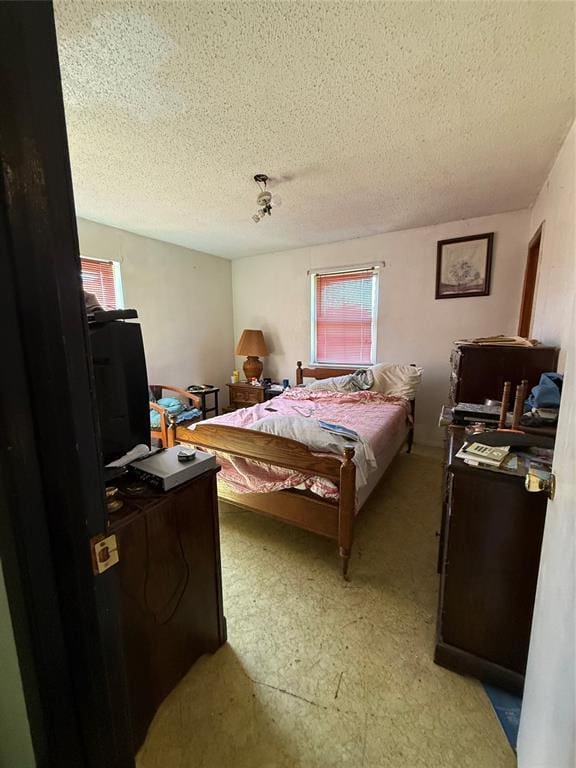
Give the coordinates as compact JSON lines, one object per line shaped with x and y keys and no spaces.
{"x":245,"y":395}
{"x":490,"y":534}
{"x":479,"y":372}
{"x":489,"y":558}
{"x":170,"y":589}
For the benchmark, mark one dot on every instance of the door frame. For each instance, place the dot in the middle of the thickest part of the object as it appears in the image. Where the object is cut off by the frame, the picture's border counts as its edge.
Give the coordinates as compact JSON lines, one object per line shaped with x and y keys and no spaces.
{"x":530,"y":277}
{"x":65,"y":620}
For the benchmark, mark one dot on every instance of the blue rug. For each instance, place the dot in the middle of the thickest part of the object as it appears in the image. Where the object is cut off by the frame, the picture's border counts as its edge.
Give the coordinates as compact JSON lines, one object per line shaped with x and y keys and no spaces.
{"x":507,"y":708}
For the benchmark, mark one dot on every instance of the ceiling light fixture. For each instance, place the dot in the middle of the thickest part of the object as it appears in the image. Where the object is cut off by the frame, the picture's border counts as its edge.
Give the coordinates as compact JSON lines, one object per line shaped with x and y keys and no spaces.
{"x":265,"y":200}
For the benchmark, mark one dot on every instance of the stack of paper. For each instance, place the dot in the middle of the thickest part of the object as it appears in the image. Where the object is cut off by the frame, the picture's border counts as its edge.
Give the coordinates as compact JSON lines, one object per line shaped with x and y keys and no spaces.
{"x":506,"y":341}
{"x":547,"y":414}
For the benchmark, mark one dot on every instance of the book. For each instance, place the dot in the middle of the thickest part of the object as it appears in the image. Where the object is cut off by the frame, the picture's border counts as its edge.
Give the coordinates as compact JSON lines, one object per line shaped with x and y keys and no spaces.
{"x":338,"y":429}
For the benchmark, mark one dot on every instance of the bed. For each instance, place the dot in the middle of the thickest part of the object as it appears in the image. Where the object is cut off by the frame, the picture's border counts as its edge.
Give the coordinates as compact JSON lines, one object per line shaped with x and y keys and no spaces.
{"x":285,"y":479}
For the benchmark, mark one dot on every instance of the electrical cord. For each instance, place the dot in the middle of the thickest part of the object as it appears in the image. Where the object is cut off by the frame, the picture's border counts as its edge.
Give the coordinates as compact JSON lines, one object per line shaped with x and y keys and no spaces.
{"x":182,"y":587}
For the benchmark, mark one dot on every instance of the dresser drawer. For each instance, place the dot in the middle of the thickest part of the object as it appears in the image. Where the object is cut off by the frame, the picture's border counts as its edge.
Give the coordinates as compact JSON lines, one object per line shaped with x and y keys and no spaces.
{"x":246,"y":396}
{"x":243,"y":395}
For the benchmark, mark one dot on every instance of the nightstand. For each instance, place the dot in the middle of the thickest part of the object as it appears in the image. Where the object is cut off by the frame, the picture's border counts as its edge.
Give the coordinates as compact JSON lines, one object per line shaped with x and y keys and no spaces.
{"x":245,"y":395}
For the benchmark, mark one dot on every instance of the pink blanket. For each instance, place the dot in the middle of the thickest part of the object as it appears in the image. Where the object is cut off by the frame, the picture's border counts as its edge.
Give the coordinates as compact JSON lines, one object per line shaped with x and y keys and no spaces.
{"x":375,"y":417}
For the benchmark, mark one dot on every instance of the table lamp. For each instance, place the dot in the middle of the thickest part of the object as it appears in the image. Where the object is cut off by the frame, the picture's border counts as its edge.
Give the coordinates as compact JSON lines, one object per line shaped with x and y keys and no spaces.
{"x":252,"y":345}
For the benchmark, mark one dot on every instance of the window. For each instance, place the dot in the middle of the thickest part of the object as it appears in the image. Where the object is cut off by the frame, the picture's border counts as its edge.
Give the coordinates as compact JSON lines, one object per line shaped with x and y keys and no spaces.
{"x":344,"y":309}
{"x":102,"y":278}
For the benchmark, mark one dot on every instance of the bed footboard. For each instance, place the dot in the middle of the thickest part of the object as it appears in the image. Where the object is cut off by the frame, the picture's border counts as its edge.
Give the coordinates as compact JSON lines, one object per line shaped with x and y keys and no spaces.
{"x":327,"y":518}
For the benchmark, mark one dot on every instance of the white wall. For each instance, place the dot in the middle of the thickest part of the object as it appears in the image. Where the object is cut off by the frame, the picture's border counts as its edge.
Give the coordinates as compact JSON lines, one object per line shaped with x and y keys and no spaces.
{"x":556,"y":279}
{"x":271,"y":292}
{"x":184,"y":302}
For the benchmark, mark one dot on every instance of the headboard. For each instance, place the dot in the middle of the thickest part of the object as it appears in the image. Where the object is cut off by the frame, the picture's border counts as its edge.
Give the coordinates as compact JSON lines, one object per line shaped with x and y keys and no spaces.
{"x":318,"y":372}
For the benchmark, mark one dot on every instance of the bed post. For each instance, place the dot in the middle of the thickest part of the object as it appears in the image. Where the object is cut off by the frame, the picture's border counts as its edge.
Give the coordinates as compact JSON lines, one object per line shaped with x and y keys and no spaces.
{"x":299,"y":377}
{"x":346,"y":508}
{"x":410,"y":440}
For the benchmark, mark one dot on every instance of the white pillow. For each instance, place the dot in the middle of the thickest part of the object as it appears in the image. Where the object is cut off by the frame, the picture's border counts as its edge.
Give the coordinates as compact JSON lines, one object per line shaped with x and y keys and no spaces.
{"x":396,"y":379}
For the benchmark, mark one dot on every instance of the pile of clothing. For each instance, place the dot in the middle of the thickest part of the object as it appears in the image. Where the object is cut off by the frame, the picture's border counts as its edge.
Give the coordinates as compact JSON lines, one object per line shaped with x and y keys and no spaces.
{"x":175,"y":408}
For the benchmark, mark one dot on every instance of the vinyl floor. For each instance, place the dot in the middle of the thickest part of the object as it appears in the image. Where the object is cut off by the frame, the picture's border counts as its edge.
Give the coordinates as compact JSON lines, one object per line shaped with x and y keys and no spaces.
{"x":319,"y":672}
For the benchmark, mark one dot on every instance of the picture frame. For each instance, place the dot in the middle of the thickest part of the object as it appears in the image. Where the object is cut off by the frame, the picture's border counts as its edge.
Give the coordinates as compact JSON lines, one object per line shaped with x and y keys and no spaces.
{"x":464,"y":266}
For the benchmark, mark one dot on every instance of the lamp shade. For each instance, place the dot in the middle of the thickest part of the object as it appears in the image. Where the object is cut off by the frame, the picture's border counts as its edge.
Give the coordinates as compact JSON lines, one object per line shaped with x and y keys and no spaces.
{"x":252,"y":344}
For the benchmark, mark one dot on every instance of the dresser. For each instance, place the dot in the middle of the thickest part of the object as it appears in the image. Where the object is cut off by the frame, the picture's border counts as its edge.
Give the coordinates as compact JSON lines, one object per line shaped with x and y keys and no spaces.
{"x":489,"y":556}
{"x":169,"y":580}
{"x":479,"y":372}
{"x":245,"y":395}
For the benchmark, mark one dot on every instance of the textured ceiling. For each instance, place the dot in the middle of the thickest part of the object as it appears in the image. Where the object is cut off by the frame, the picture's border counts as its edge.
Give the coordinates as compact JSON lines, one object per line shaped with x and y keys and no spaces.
{"x":370,"y":116}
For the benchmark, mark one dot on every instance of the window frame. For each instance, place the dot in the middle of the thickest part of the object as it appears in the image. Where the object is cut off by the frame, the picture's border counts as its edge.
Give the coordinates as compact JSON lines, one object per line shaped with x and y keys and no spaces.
{"x":314,"y":275}
{"x":116,"y":275}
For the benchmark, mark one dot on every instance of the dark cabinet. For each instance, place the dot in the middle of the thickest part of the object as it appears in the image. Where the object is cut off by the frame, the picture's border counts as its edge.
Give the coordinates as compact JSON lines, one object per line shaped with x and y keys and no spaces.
{"x":479,"y":372}
{"x":492,"y":534}
{"x":169,"y":579}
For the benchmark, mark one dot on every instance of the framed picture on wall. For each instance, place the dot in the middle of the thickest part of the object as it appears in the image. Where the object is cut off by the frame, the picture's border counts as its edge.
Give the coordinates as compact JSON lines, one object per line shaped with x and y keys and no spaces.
{"x":463,"y":266}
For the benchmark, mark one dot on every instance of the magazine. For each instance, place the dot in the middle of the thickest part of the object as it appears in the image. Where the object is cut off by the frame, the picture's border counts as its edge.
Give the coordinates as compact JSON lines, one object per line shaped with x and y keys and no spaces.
{"x":338,"y":429}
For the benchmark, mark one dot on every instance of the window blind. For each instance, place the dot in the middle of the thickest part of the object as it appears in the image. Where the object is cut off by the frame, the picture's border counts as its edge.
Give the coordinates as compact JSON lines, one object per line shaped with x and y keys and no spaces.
{"x":98,"y":278}
{"x":345,"y":305}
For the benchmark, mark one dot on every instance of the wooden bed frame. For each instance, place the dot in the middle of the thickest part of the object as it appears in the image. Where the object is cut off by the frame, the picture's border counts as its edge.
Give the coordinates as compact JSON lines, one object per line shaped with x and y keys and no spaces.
{"x":333,"y":519}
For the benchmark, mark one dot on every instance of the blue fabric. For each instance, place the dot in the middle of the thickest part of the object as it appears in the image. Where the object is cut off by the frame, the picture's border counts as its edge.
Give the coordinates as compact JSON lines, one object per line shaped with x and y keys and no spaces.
{"x":507,"y":708}
{"x":174,"y":407}
{"x":192,"y":413}
{"x":546,"y":394}
{"x":172,"y":404}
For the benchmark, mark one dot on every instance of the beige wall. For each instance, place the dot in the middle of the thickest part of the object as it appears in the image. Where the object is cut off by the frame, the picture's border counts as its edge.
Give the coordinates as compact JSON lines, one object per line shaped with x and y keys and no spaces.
{"x":183,"y":299}
{"x":272,"y":292}
{"x":556,"y":280}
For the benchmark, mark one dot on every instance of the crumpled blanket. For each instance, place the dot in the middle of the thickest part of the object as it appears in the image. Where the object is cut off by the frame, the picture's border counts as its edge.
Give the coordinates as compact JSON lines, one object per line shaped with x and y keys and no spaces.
{"x":377,"y":418}
{"x":547,"y":393}
{"x":308,"y":431}
{"x":350,"y":382}
{"x":346,"y":397}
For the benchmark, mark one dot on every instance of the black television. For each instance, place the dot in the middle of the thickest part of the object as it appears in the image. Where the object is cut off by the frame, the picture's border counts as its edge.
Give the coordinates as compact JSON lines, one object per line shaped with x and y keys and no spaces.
{"x":121,"y":382}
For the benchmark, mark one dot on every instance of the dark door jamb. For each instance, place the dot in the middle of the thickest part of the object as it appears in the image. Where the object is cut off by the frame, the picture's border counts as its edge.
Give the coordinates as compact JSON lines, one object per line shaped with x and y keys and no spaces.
{"x":66,"y":621}
{"x":529,"y":289}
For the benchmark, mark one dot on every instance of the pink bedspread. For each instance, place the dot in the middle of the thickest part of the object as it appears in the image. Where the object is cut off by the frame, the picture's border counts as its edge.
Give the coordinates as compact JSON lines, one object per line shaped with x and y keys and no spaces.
{"x":375,"y":417}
